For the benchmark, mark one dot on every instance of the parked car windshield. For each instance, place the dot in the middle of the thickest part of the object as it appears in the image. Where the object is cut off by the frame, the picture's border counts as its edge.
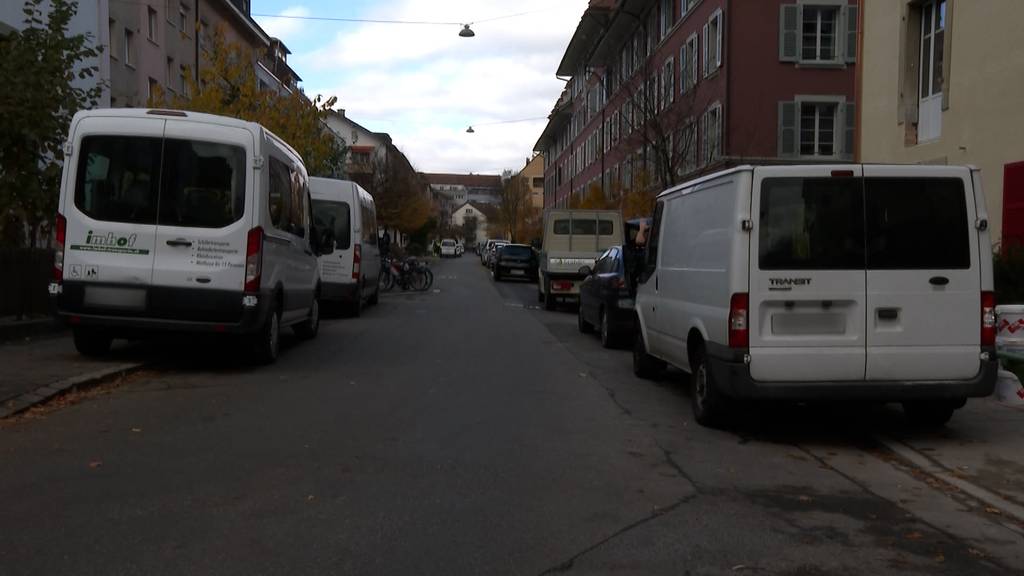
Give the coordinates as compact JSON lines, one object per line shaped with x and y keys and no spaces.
{"x":335,"y":216}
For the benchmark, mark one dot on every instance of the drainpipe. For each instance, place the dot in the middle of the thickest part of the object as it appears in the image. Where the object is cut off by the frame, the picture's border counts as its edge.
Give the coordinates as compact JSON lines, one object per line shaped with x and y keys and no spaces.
{"x":196,"y":33}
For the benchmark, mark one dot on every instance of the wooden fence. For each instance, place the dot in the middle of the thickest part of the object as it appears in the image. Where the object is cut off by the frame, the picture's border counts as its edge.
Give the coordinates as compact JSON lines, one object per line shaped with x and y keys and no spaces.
{"x":24,"y":277}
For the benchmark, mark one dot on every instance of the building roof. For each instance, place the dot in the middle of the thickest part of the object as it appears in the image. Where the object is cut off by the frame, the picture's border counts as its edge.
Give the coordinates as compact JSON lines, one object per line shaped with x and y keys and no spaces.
{"x":490,"y":212}
{"x":588,"y":33}
{"x":469,"y":180}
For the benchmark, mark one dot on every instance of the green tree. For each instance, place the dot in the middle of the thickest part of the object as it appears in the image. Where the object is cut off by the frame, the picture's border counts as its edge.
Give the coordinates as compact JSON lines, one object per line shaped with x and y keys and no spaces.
{"x":37,"y":103}
{"x":228,"y":86}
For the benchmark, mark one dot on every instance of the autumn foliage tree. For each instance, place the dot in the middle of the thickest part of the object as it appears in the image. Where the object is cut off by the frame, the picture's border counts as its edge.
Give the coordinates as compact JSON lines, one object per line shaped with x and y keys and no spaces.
{"x":228,"y":86}
{"x":38,"y":99}
{"x":399,"y":192}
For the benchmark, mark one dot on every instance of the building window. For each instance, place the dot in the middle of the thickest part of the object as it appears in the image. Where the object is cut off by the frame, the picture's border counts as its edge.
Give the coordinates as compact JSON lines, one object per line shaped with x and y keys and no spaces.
{"x":685,"y":6}
{"x":183,"y":18}
{"x":152,"y":23}
{"x":691,"y":62}
{"x":713,"y":44}
{"x":183,"y":81}
{"x":666,"y":21}
{"x":818,"y":33}
{"x":818,"y":129}
{"x":688,"y":148}
{"x":171,"y":73}
{"x":933,"y":37}
{"x":154,"y":89}
{"x":129,"y":48}
{"x":711,"y":134}
{"x":111,"y":30}
{"x":668,"y":83}
{"x":821,"y":33}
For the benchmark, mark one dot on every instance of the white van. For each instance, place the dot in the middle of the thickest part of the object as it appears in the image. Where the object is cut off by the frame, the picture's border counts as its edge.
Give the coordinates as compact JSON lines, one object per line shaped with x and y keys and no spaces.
{"x":178,"y":221}
{"x":351,"y":274}
{"x":573,"y":239}
{"x":823,"y":282}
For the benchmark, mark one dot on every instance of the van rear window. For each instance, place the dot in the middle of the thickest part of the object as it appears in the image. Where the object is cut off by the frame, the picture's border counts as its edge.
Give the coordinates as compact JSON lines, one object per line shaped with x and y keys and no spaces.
{"x":917,"y":223}
{"x":119,"y":180}
{"x":811,"y":224}
{"x":337,"y":217}
{"x":584,"y":227}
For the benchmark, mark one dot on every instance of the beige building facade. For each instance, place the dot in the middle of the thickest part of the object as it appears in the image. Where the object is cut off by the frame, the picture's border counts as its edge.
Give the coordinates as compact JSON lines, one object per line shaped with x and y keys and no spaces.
{"x":942,"y":82}
{"x":533,"y":173}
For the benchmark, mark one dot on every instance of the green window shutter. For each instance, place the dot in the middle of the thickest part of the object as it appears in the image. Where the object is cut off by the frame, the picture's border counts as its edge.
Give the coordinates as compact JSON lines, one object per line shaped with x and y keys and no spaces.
{"x":787,"y":130}
{"x":851,"y":34}
{"x":789,"y":33}
{"x":849,"y":128}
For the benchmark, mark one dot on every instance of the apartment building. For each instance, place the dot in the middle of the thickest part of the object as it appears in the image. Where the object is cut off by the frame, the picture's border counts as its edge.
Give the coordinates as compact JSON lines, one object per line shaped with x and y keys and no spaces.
{"x":663,"y":90}
{"x":942,"y":84}
{"x":449,"y":191}
{"x":367,"y":149}
{"x":533,"y":174}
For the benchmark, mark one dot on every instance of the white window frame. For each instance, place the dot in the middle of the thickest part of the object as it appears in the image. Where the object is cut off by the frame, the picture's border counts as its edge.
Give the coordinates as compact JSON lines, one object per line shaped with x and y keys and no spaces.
{"x":152,"y":24}
{"x":838,"y":126}
{"x":840,"y":32}
{"x":665,"y":22}
{"x":710,"y":67}
{"x":127,"y":40}
{"x":668,"y":88}
{"x":183,"y":19}
{"x":693,"y":48}
{"x":711,"y":139}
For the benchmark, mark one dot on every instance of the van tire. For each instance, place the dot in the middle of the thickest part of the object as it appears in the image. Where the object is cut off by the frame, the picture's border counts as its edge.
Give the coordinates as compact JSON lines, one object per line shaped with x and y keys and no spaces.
{"x":310,"y":327}
{"x":929,"y":413}
{"x":644,"y":365}
{"x":709,"y":405}
{"x":548,"y":299}
{"x":581,"y":323}
{"x":267,"y":343}
{"x":92,"y":342}
{"x":355,"y":308}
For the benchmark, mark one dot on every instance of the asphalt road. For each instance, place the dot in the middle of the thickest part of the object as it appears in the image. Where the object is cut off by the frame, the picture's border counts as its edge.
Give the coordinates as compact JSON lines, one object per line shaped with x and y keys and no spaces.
{"x":461,"y":431}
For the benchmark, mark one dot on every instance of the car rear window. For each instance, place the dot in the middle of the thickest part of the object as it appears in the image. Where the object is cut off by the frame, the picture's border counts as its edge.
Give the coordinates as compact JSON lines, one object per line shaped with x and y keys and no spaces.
{"x":811,"y":224}
{"x":587,"y":227}
{"x":917,"y":223}
{"x":337,"y":217}
{"x":447,"y":243}
{"x":119,"y":180}
{"x":516,"y":251}
{"x":203,"y":184}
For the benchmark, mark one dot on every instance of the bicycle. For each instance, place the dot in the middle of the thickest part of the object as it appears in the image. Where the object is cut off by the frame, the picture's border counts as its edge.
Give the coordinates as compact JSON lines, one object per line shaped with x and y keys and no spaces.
{"x":409,"y":274}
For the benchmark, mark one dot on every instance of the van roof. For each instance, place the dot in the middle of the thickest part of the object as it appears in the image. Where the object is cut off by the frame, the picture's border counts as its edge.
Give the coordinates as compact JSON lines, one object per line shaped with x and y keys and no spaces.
{"x":178,"y":115}
{"x":750,"y":168}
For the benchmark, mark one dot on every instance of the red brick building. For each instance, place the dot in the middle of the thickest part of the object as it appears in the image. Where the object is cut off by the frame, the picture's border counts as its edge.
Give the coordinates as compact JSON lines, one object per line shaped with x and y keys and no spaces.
{"x":662,"y":90}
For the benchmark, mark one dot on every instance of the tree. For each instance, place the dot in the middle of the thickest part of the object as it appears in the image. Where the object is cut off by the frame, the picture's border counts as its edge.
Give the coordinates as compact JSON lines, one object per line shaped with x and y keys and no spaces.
{"x":513,"y":204}
{"x":399,"y":192}
{"x":469,"y":226}
{"x":228,"y":86}
{"x":37,"y":103}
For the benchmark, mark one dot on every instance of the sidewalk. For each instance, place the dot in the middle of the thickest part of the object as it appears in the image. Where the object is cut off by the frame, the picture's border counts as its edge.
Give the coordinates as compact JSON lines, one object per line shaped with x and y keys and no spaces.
{"x":982,"y":447}
{"x":35,"y":369}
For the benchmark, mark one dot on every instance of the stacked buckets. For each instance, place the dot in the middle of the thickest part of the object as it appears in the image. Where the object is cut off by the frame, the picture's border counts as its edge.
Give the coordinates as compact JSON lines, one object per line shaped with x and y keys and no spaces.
{"x":1010,"y":345}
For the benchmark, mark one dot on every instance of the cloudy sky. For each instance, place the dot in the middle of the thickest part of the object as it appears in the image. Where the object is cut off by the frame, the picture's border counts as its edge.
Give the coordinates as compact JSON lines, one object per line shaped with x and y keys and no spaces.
{"x":423,"y":84}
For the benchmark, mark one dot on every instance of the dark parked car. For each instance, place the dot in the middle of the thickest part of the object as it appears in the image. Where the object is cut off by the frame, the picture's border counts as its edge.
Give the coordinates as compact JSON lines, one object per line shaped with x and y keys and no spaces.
{"x":515,"y":261}
{"x":606,"y":300}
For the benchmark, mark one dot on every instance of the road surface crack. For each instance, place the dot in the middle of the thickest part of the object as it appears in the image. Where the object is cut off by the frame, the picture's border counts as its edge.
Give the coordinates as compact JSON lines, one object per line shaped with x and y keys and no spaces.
{"x":569,"y":564}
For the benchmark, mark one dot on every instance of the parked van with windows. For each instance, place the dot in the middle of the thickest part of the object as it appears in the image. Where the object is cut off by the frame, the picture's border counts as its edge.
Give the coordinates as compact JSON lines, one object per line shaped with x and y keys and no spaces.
{"x":177,"y":221}
{"x":823,"y":282}
{"x":573,"y":239}
{"x":351,"y":273}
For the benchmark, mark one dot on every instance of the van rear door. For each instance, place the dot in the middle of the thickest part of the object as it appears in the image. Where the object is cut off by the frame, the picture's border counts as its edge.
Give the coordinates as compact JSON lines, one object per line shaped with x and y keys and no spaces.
{"x":807,"y":280}
{"x":923,"y":279}
{"x":206,"y":207}
{"x":112,"y":210}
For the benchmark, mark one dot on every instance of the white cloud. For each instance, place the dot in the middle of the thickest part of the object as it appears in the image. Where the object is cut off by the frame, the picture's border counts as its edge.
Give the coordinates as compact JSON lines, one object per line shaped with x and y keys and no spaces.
{"x":285,"y":28}
{"x":424,"y":84}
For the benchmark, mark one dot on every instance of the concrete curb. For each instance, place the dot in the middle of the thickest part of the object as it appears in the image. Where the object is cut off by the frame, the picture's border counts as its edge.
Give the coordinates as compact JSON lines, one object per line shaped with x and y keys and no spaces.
{"x":929,"y":466}
{"x":43,"y":394}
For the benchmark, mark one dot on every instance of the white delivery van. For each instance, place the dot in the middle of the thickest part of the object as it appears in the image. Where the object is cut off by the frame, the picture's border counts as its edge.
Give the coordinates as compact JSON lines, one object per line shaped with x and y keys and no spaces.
{"x":823,"y":282}
{"x":351,"y":273}
{"x":180,"y":221}
{"x":573,"y":239}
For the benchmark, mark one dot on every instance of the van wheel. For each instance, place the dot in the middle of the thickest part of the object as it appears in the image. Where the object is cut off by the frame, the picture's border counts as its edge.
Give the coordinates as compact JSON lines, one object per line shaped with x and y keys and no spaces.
{"x":929,"y":413}
{"x":308,"y":328}
{"x":92,"y":342}
{"x":268,"y":341}
{"x":709,"y":406}
{"x":644,"y":365}
{"x":581,"y":323}
{"x":549,"y":300}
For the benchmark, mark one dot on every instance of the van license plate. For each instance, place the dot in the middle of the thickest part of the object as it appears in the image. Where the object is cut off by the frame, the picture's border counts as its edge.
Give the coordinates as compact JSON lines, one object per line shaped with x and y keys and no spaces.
{"x":517,"y":272}
{"x":119,"y":298}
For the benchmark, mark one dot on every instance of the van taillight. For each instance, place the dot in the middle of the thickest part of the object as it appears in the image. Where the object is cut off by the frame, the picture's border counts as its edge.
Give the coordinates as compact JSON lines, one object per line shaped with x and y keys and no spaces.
{"x":357,"y":261}
{"x":58,"y":255}
{"x":739,"y":329}
{"x":253,"y":259}
{"x":988,"y":319}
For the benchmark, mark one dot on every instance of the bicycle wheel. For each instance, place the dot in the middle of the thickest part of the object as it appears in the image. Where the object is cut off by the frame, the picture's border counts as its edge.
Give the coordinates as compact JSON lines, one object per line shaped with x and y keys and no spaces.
{"x":428,"y":279}
{"x":417,"y":280}
{"x":387,"y":281}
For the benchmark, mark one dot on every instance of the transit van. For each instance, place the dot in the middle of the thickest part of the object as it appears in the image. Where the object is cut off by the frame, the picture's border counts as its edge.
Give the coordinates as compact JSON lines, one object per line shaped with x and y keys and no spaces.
{"x":351,"y":273}
{"x":843,"y":282}
{"x":573,"y":240}
{"x":178,"y":221}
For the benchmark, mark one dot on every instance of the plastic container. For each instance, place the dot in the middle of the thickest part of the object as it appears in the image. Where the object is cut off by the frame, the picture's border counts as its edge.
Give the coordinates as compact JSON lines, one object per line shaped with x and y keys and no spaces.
{"x":1010,"y":328}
